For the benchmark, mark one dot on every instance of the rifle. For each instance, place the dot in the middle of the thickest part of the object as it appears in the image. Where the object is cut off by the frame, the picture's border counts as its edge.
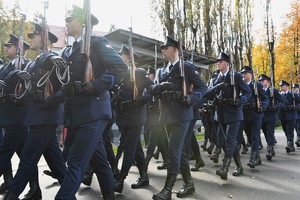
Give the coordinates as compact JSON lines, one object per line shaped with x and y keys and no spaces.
{"x":86,"y":41}
{"x":48,"y":90}
{"x":132,"y":65}
{"x":20,"y":59}
{"x":271,"y":53}
{"x":256,"y":90}
{"x":291,"y":90}
{"x":180,"y":51}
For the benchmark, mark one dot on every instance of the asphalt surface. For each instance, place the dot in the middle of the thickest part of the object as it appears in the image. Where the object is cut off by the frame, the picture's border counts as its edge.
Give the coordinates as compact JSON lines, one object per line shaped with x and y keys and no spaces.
{"x":277,"y":179}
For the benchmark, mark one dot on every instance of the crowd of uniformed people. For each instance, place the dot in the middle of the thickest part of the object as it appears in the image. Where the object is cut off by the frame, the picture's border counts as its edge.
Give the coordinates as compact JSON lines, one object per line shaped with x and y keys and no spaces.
{"x":40,"y":94}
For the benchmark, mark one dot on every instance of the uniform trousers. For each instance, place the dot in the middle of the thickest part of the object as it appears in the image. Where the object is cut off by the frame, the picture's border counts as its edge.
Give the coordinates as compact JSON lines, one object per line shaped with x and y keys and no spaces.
{"x":252,"y":130}
{"x":177,"y":133}
{"x":87,"y":147}
{"x":288,"y":127}
{"x":41,"y":139}
{"x":229,"y":132}
{"x":268,"y":128}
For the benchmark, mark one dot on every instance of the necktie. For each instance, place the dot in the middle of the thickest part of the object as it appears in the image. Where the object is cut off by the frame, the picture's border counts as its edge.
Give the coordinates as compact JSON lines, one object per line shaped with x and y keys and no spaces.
{"x":170,"y":67}
{"x":75,"y":44}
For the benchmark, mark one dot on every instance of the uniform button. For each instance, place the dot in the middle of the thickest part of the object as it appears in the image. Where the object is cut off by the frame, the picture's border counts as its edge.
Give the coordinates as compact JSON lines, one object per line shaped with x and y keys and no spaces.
{"x":70,"y":62}
{"x":98,"y":98}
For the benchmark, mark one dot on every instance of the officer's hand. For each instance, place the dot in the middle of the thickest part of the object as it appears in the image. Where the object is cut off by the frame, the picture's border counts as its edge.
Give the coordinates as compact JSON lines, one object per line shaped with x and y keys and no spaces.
{"x":59,"y":62}
{"x":166,"y":86}
{"x":222,"y":85}
{"x":186,"y":100}
{"x":2,"y":83}
{"x":23,"y":75}
{"x":89,"y":88}
{"x":237,"y":103}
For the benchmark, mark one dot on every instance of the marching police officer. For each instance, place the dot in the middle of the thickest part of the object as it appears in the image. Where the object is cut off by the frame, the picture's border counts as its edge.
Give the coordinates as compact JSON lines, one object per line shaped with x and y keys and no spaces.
{"x":130,"y":118}
{"x":176,"y":114}
{"x":270,"y":114}
{"x":157,"y":134}
{"x":12,"y":110}
{"x":89,"y":105}
{"x":44,"y":112}
{"x":253,"y":113}
{"x":297,"y":127}
{"x":288,"y":115}
{"x":230,"y":99}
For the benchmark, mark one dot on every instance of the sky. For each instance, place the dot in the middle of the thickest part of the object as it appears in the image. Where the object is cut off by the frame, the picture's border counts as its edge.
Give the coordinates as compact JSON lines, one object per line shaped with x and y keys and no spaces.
{"x":127,"y":13}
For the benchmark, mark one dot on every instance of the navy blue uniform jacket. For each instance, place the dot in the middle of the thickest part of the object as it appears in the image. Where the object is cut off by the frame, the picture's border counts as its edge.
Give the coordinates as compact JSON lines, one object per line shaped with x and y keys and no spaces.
{"x":175,"y":111}
{"x":108,"y":69}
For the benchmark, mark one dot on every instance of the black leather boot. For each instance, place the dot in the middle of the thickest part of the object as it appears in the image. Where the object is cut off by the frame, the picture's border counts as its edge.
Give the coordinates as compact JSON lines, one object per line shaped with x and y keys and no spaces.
{"x":156,"y":154}
{"x":163,"y":166}
{"x":203,"y":146}
{"x":244,"y":149}
{"x":251,"y":162}
{"x":7,"y":176}
{"x":239,"y":168}
{"x":108,"y":195}
{"x":215,"y":156}
{"x":10,"y":196}
{"x":88,"y":176}
{"x":166,"y":193}
{"x":199,"y":163}
{"x":297,"y":143}
{"x":118,"y":185}
{"x":290,"y":147}
{"x":142,"y":181}
{"x":257,"y":160}
{"x":222,"y":172}
{"x":272,"y":150}
{"x":188,"y":185}
{"x":269,"y":154}
{"x":35,"y":192}
{"x":49,"y":173}
{"x":147,"y":161}
{"x":210,"y":148}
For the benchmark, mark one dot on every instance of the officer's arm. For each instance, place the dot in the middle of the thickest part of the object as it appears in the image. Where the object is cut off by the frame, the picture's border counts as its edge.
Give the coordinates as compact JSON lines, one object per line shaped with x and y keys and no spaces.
{"x":263,"y":97}
{"x":244,"y":89}
{"x":110,"y":60}
{"x":199,"y":86}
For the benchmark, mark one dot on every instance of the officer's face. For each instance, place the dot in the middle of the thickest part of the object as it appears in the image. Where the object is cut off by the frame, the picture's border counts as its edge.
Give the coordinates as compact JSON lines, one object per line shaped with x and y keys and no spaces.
{"x":74,"y":27}
{"x":246,"y":76}
{"x":223,"y":65}
{"x":296,"y":90}
{"x":284,"y":88}
{"x":35,"y":42}
{"x":151,"y":76}
{"x":265,"y":83}
{"x":169,"y":52}
{"x":11,"y":51}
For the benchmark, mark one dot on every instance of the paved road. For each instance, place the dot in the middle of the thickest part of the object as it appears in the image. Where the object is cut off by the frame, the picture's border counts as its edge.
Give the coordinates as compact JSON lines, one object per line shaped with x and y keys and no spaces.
{"x":277,"y":179}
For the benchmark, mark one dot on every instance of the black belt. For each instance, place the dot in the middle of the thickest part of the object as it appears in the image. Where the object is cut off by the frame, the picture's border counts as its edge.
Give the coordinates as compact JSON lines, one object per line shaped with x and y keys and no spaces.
{"x":74,"y":88}
{"x":291,"y":108}
{"x":36,"y":95}
{"x":10,"y":99}
{"x":271,"y":109}
{"x":130,"y":104}
{"x":249,"y":106}
{"x":171,"y":95}
{"x":153,"y":108}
